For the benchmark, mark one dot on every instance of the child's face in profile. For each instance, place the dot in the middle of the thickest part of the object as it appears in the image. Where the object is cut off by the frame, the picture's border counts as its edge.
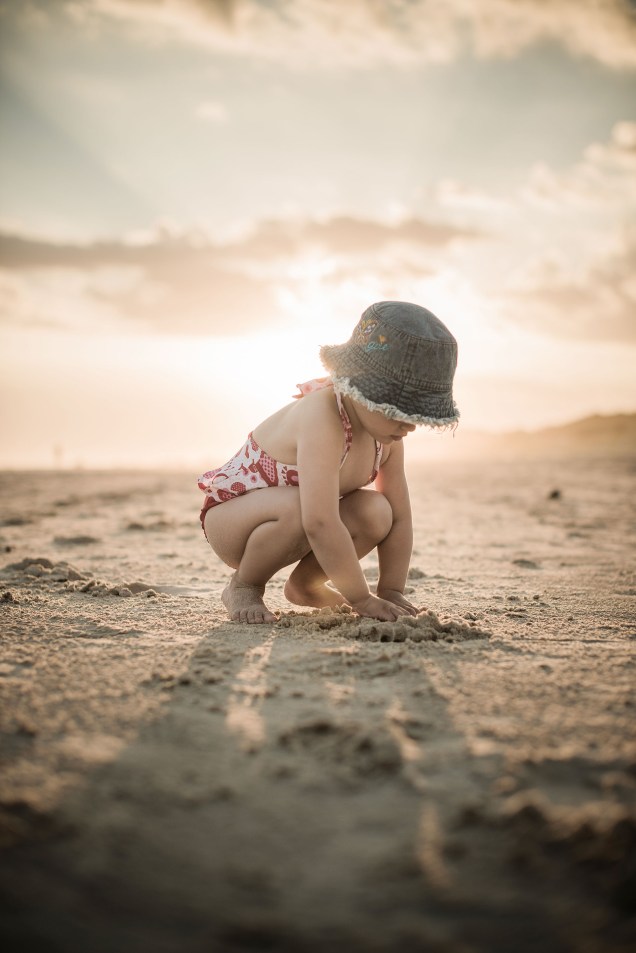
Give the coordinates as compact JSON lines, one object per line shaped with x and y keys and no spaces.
{"x":384,"y":429}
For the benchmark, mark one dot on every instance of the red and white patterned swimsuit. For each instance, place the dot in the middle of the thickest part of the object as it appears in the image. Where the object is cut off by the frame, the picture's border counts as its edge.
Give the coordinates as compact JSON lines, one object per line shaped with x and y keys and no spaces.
{"x":253,"y":469}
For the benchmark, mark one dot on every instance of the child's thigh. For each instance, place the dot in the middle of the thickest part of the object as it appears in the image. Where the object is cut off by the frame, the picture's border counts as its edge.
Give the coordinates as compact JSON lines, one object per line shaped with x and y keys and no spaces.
{"x":229,"y":525}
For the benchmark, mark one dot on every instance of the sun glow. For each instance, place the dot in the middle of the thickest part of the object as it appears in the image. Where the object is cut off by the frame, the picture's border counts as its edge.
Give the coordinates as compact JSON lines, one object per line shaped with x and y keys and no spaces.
{"x":185,"y":227}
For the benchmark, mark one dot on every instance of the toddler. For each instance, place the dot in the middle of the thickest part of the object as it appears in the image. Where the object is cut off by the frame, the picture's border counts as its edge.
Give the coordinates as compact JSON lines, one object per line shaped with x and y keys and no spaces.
{"x":296,"y":492}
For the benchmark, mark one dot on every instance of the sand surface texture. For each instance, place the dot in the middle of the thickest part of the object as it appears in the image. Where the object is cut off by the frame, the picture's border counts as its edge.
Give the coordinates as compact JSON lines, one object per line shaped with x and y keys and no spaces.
{"x":463,"y":781}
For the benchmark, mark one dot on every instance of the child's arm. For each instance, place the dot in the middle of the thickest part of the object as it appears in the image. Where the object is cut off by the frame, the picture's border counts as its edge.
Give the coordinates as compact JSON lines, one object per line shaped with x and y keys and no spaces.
{"x":319,"y":449}
{"x":394,"y":552}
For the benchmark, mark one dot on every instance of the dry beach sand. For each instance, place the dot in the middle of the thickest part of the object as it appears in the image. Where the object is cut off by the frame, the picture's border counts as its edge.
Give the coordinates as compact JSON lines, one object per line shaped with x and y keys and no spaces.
{"x":462,"y":782}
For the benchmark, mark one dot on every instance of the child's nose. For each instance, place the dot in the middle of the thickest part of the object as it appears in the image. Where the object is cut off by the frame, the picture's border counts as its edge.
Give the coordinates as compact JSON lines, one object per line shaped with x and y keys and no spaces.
{"x":408,"y":428}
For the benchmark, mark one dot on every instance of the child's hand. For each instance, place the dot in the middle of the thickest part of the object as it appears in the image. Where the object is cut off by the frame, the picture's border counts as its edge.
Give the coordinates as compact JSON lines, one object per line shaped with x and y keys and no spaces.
{"x":384,"y":609}
{"x":397,"y":598}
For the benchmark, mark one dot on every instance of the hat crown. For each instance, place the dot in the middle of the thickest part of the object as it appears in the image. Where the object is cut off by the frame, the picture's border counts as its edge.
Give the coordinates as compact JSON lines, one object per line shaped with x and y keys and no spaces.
{"x":410,"y":318}
{"x":406,"y":343}
{"x":400,"y":360}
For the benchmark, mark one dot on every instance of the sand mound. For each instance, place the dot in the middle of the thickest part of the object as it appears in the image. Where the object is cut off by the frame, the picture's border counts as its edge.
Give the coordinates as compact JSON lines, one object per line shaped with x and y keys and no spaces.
{"x":425,"y":627}
{"x":41,"y":572}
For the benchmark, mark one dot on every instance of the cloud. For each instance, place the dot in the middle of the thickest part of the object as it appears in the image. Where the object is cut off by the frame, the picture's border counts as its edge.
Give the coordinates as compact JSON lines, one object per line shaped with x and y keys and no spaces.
{"x":348,"y":236}
{"x":449,"y":193}
{"x":597,"y":304}
{"x":184,"y":282}
{"x":582,"y":284}
{"x":158,"y":249}
{"x":153,"y":250}
{"x":196,"y":299}
{"x":604,"y":30}
{"x":211,"y":111}
{"x":605,"y":175}
{"x":170,"y":284}
{"x":365,"y":32}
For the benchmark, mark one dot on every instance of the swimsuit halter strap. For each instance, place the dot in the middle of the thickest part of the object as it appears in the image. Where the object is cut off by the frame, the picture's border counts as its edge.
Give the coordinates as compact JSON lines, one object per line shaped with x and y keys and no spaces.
{"x":346,"y":426}
{"x":348,"y":431}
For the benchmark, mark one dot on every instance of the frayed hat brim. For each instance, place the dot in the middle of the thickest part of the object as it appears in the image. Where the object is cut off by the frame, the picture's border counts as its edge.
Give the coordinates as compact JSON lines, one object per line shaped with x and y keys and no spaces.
{"x":345,"y":387}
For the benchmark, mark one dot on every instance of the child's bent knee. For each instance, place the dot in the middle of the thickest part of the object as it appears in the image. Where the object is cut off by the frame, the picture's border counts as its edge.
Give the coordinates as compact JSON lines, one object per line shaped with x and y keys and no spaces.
{"x":370,"y":513}
{"x":381,"y":515}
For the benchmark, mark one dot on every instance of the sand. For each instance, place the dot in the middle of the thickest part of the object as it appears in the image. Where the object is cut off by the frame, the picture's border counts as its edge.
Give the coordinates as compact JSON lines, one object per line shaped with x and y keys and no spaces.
{"x":463,"y":781}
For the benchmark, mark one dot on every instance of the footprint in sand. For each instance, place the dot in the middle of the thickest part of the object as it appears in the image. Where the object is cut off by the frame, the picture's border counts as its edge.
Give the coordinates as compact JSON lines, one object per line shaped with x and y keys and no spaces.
{"x":75,"y":540}
{"x":349,"y":749}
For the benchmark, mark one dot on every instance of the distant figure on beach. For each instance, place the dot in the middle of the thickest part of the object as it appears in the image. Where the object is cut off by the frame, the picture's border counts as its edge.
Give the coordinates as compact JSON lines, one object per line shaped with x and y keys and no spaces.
{"x":297,"y":491}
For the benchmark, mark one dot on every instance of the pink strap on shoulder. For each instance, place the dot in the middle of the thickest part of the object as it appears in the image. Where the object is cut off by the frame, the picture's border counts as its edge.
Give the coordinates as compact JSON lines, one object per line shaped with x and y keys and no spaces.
{"x":318,"y":383}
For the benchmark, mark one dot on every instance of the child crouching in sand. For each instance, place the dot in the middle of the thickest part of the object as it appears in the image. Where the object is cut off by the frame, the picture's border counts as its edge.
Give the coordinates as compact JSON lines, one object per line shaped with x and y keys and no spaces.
{"x":394,"y":373}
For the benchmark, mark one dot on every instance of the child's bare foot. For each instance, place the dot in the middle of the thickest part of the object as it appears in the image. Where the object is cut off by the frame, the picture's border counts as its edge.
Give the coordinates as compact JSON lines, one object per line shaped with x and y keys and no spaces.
{"x":317,"y":596}
{"x":245,"y":603}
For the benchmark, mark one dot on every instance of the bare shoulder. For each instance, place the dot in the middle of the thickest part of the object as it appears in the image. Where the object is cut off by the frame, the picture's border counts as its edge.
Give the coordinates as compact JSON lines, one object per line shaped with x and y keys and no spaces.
{"x":281,"y":434}
{"x":318,"y":419}
{"x":318,"y":407}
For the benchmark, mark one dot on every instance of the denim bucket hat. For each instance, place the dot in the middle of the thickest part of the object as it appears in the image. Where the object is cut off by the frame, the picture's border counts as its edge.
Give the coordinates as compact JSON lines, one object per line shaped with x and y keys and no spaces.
{"x":400,"y":361}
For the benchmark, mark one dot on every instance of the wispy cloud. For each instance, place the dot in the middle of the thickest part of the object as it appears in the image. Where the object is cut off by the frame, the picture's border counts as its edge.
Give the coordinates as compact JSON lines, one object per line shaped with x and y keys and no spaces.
{"x":593,"y":303}
{"x":365,"y":32}
{"x":361,"y":33}
{"x":452,"y":194}
{"x":581,"y":284}
{"x":187,"y":283}
{"x":605,"y":175}
{"x":342,"y":235}
{"x":211,"y":111}
{"x":348,"y":236}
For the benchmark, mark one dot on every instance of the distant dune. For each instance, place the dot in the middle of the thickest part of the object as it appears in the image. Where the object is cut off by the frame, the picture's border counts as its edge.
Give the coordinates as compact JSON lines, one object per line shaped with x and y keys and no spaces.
{"x":599,"y":435}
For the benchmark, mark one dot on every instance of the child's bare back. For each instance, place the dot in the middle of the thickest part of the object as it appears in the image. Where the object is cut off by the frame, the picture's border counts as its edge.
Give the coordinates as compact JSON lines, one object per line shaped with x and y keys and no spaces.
{"x":298,"y":490}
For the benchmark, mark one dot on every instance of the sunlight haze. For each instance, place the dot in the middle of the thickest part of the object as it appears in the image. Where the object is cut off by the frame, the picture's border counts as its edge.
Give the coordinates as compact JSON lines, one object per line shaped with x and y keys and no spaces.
{"x":194,"y":196}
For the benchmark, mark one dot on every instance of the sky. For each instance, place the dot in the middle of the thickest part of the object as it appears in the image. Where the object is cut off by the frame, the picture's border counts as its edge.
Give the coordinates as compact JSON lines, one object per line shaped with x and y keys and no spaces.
{"x":196,"y":194}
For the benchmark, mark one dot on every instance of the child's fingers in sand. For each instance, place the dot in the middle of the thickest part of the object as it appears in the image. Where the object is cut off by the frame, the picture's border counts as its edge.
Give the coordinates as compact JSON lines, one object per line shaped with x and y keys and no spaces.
{"x":381,"y":609}
{"x":398,"y":599}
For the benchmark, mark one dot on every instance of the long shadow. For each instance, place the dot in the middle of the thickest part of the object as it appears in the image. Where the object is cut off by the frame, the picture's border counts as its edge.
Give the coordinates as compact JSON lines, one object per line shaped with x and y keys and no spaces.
{"x":312,"y":795}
